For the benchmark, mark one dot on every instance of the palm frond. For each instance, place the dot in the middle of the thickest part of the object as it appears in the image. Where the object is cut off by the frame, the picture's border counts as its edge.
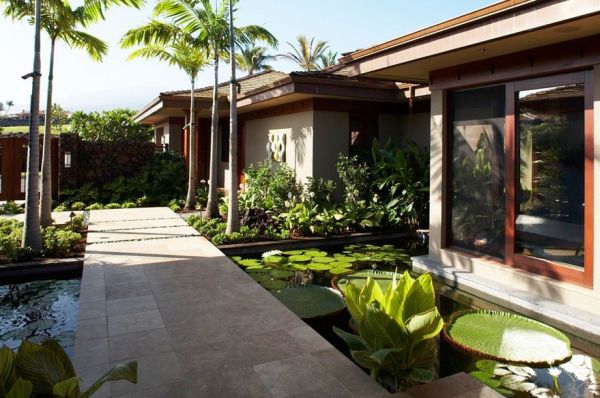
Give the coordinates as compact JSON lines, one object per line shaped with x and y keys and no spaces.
{"x":95,"y":47}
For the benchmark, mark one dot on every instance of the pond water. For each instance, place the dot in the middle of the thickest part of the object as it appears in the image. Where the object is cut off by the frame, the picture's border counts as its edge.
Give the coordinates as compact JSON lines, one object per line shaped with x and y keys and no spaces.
{"x":580,"y":377}
{"x":38,"y":310}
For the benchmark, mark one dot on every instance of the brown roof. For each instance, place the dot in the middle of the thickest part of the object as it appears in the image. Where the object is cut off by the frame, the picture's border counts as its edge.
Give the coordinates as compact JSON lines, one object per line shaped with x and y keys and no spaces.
{"x":485,"y":12}
{"x":248,"y":84}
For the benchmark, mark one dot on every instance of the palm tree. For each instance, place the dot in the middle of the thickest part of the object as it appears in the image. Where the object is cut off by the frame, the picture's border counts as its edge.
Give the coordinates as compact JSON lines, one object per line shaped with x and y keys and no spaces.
{"x":253,"y":58}
{"x":61,"y":22}
{"x":307,"y":54}
{"x":328,"y":59}
{"x":212,"y":26}
{"x":170,"y":43}
{"x":233,"y":216}
{"x":9,"y":104}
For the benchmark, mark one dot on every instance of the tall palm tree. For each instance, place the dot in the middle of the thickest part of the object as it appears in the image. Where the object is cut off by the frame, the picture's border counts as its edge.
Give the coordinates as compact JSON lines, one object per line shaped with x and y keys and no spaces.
{"x":9,"y":104}
{"x":328,"y":59}
{"x":253,"y":58}
{"x":307,"y":54}
{"x":170,"y":43}
{"x":233,"y":216}
{"x":212,"y":26}
{"x":62,"y":22}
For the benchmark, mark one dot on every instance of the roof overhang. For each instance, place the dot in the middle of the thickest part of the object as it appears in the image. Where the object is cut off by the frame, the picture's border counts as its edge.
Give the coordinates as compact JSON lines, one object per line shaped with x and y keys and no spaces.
{"x":500,"y":29}
{"x":168,"y":106}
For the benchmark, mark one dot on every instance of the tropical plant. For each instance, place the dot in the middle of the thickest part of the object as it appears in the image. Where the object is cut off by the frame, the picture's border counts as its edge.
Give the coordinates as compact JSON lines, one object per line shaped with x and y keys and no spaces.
{"x":307,"y":54}
{"x":252,"y":58}
{"x":60,"y":118}
{"x":356,"y":177}
{"x":61,"y":22}
{"x":401,"y":177}
{"x":508,"y":338}
{"x":396,"y":330}
{"x":318,"y":192}
{"x":211,"y":25}
{"x":113,"y":125}
{"x":270,"y":188}
{"x":171,"y":43}
{"x":9,"y":104}
{"x":43,"y":370}
{"x":328,"y":59}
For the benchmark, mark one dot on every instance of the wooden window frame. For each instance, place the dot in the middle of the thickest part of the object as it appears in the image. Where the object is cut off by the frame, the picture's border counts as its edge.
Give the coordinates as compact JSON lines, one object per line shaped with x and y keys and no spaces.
{"x":571,"y":274}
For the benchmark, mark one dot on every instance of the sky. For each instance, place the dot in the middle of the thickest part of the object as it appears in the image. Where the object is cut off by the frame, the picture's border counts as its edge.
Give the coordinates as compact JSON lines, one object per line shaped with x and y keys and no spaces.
{"x":82,"y":84}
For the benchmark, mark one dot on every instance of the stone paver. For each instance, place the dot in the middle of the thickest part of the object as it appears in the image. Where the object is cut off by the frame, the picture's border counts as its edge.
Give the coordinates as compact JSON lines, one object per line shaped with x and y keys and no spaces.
{"x":156,"y":292}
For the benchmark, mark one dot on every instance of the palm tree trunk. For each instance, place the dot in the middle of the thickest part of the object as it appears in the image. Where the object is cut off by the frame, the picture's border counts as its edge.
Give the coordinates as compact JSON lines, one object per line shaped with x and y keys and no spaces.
{"x":190,"y":201}
{"x":212,"y":207}
{"x":46,"y":197}
{"x":233,"y":217}
{"x":32,"y":236}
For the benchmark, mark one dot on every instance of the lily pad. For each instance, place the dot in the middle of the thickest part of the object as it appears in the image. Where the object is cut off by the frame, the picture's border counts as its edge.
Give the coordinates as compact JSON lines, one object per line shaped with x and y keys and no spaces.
{"x":318,"y":266}
{"x":293,"y":252}
{"x":259,"y":276}
{"x":315,"y":253}
{"x":273,"y":284}
{"x":340,"y":264}
{"x":297,"y":267}
{"x":299,"y":258}
{"x":358,"y":279}
{"x":281,"y":273}
{"x":256,"y":267}
{"x":345,"y":259}
{"x":508,"y":338}
{"x":340,"y":270}
{"x":275,"y":260}
{"x":323,"y":260}
{"x":249,"y":262}
{"x":311,"y":301}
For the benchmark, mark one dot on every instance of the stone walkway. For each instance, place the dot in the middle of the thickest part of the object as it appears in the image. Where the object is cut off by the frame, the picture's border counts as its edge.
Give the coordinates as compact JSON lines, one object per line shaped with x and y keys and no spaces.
{"x":156,"y":292}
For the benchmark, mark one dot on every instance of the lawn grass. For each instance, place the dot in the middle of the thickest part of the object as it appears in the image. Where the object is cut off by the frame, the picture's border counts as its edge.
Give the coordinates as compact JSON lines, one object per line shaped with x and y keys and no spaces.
{"x":25,"y":129}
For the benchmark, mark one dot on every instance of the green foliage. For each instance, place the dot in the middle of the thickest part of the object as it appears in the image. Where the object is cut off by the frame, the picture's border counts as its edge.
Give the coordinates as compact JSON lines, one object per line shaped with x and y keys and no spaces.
{"x":95,"y":206}
{"x":270,"y":188}
{"x":509,"y":338}
{"x":318,"y":192}
{"x":311,"y":301}
{"x":78,"y":206}
{"x":396,"y":330}
{"x":401,"y":177}
{"x":202,"y":194}
{"x":11,"y":233}
{"x":42,"y":370}
{"x":214,"y":230}
{"x":356,"y":177}
{"x":59,"y":242}
{"x":113,"y":205}
{"x":114,"y":125}
{"x":10,"y":207}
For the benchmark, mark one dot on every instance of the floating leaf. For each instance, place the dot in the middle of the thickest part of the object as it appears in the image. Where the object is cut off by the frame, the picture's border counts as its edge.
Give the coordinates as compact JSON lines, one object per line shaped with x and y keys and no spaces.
{"x":275,"y":260}
{"x":297,"y":267}
{"x":318,"y":267}
{"x":259,"y":276}
{"x":358,"y":279}
{"x":339,"y":271}
{"x":323,"y":260}
{"x":345,"y":259}
{"x":280,"y":273}
{"x":311,"y":301}
{"x":256,"y":267}
{"x":508,"y":338}
{"x":340,"y":264}
{"x":315,"y":253}
{"x":273,"y":284}
{"x":249,"y":262}
{"x":293,"y":252}
{"x":299,"y":258}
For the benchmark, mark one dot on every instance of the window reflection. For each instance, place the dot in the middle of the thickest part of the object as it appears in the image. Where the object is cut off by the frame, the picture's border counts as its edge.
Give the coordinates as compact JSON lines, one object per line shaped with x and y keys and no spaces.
{"x":550,"y":219}
{"x":477,"y":211}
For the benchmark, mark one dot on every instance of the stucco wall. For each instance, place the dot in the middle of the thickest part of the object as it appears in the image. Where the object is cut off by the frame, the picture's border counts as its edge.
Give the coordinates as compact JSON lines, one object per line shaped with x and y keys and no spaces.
{"x":298,"y":129}
{"x":404,"y":128}
{"x":330,"y":138}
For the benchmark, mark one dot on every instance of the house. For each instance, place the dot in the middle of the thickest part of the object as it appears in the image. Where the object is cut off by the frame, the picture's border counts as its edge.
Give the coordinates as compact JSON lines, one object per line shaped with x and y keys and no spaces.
{"x":303,"y":119}
{"x":515,"y":154}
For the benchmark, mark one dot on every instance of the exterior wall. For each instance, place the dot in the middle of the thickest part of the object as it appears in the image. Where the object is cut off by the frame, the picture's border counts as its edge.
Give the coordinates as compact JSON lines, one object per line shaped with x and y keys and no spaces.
{"x":548,"y":288}
{"x":330,"y":138}
{"x":410,"y":127}
{"x":298,"y":129}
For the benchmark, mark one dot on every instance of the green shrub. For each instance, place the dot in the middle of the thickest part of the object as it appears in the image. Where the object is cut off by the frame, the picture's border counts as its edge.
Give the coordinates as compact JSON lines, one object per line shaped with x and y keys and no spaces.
{"x":78,"y":206}
{"x":202,"y":194}
{"x":11,"y":233}
{"x":59,"y":242}
{"x":113,"y":206}
{"x":114,"y":125}
{"x":95,"y":206}
{"x":318,"y":192}
{"x":10,"y":207}
{"x":76,"y":224}
{"x":61,"y":207}
{"x":128,"y":205}
{"x":356,"y":176}
{"x":269,"y":187}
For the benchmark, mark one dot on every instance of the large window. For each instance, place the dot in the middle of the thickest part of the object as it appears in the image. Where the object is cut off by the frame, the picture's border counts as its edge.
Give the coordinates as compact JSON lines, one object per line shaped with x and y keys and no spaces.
{"x":521,"y":172}
{"x":477,"y":186}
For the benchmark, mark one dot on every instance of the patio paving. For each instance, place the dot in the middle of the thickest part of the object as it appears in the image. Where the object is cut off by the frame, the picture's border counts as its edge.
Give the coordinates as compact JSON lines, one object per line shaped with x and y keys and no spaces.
{"x":155,"y":291}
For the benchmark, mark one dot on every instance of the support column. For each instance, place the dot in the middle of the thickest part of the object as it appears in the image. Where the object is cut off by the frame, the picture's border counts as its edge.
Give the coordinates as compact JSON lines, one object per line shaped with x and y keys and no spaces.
{"x":436,"y":191}
{"x":596,"y":226}
{"x":186,"y":140}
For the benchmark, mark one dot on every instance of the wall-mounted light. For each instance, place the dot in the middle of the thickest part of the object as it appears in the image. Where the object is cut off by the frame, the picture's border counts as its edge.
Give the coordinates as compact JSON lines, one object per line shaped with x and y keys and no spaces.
{"x":67,"y":160}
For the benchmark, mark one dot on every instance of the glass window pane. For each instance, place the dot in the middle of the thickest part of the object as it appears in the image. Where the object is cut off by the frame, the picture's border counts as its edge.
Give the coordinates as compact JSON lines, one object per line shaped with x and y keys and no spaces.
{"x":550,"y":210}
{"x":477,"y":191}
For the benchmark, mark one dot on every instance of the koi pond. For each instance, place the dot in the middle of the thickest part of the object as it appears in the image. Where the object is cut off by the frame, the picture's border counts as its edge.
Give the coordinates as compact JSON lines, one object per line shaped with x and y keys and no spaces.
{"x":315,"y":284}
{"x":39,"y":309}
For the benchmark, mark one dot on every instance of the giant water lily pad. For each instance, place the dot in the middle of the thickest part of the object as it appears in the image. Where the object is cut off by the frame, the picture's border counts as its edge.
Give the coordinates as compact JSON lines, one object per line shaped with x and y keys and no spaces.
{"x":358,"y":279}
{"x":249,"y":262}
{"x":281,"y":273}
{"x":315,"y":253}
{"x":299,"y":258}
{"x":323,"y":260}
{"x":311,"y":301}
{"x":508,"y":338}
{"x":318,"y":267}
{"x":273,"y":284}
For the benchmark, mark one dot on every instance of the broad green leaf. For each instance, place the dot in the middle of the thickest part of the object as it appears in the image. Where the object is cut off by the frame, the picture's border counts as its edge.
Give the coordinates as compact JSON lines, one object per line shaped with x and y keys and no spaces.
{"x":375,"y":328}
{"x":486,"y":365}
{"x":420,"y":297}
{"x":20,"y":389}
{"x":363,"y":358}
{"x":40,"y":366}
{"x":68,"y":388}
{"x":126,"y":371}
{"x":354,"y":342}
{"x":8,"y":375}
{"x":383,"y":356}
{"x":421,"y":375}
{"x":371,"y":292}
{"x":353,"y":303}
{"x":54,"y":347}
{"x":425,"y":325}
